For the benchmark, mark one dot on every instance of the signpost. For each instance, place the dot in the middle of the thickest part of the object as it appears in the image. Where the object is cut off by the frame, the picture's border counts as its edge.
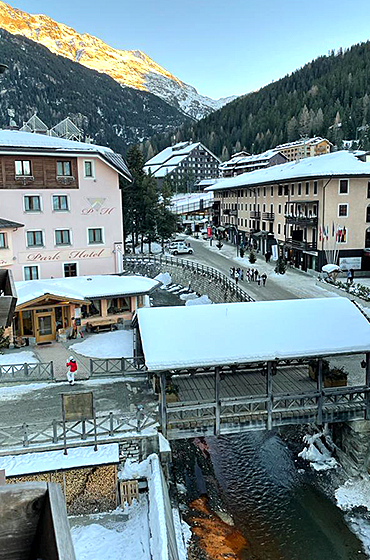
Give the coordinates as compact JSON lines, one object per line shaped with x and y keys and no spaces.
{"x":78,"y":407}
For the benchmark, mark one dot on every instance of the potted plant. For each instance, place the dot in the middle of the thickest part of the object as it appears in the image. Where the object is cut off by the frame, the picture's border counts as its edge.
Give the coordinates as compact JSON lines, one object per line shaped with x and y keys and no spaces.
{"x":313,"y":368}
{"x":172,"y":392}
{"x":336,"y":377}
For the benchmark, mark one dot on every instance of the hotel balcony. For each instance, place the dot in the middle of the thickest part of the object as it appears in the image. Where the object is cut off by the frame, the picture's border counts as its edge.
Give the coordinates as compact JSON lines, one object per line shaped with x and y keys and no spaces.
{"x":229,"y":212}
{"x":268,"y":216}
{"x":255,"y":215}
{"x":303,"y":245}
{"x":301,"y":219}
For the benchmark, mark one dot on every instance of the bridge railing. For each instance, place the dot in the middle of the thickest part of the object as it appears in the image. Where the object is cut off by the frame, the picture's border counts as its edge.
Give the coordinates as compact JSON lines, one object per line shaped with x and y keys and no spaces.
{"x":333,"y":404}
{"x":100,"y":367}
{"x":41,"y":435}
{"x":27,"y":372}
{"x":135,"y":262}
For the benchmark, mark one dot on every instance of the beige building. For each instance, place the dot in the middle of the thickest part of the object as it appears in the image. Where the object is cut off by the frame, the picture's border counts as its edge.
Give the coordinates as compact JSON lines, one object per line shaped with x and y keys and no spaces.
{"x":306,"y":147}
{"x":312,"y":209}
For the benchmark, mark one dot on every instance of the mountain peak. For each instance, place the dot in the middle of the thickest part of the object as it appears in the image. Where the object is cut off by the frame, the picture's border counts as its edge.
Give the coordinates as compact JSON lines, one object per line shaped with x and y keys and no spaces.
{"x":132,"y":68}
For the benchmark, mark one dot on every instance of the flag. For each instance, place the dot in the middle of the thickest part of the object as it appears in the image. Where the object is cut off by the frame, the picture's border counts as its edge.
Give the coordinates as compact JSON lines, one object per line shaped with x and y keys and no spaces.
{"x":344,"y":235}
{"x":333,"y":230}
{"x":320,"y":235}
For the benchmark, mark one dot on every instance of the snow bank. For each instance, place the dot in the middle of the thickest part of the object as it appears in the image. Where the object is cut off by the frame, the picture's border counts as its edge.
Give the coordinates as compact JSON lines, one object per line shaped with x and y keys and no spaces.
{"x":115,"y":344}
{"x":355,"y":492}
{"x":188,"y":297}
{"x":22,"y":357}
{"x":108,"y":537}
{"x":183,"y":534}
{"x":202,"y":300}
{"x":317,"y":454}
{"x":29,"y":463}
{"x":165,"y":278}
{"x":151,"y":470}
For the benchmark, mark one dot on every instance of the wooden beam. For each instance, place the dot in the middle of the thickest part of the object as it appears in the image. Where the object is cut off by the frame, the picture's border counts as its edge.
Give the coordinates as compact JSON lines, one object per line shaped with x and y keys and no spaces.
{"x":269,"y":395}
{"x":367,"y":383}
{"x":320,"y":390}
{"x":217,"y":402}
{"x":162,"y":396}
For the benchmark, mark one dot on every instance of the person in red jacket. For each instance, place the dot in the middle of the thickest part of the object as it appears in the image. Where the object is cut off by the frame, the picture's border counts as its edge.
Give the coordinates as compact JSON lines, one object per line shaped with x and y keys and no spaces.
{"x":72,"y":365}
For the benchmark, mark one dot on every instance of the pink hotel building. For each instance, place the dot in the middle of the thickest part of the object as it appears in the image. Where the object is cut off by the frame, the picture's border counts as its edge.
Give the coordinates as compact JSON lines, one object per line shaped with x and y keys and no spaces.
{"x":60,"y":207}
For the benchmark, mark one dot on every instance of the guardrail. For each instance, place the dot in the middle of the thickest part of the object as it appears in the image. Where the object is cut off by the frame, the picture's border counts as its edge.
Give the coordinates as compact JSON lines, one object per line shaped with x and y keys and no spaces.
{"x":27,"y":372}
{"x":116,"y":366}
{"x":134,"y":262}
{"x":40,"y":435}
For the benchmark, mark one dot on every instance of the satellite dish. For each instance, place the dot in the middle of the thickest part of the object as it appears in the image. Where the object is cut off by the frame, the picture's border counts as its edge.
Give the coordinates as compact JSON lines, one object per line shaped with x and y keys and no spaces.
{"x":3,"y":67}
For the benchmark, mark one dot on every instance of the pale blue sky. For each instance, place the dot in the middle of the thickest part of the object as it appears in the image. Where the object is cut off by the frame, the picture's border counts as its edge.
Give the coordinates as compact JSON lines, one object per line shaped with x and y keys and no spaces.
{"x":222,"y":47}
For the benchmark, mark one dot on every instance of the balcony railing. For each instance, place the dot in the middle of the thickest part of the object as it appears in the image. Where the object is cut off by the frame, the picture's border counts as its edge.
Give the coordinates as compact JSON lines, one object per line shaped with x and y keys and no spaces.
{"x":304,"y":245}
{"x":268,"y":216}
{"x":255,"y":215}
{"x":302,"y":219}
{"x":229,"y":212}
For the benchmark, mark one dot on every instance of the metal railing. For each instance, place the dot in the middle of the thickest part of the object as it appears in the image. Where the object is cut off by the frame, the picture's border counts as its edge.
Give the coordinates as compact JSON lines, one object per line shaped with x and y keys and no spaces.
{"x":135,"y":262}
{"x":305,"y":245}
{"x":27,"y":372}
{"x":116,"y":366}
{"x":51,"y":434}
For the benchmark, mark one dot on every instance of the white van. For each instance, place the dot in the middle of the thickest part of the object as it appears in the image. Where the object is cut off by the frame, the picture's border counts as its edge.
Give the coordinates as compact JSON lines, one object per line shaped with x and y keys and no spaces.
{"x":179,"y":248}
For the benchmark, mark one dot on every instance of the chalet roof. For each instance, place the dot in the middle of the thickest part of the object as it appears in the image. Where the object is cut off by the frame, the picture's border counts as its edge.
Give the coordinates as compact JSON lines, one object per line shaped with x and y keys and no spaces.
{"x":236,"y":333}
{"x":242,"y":160}
{"x":308,"y":141}
{"x":336,"y":164}
{"x":19,"y":141}
{"x":85,"y":287}
{"x":9,"y":224}
{"x":166,"y":161}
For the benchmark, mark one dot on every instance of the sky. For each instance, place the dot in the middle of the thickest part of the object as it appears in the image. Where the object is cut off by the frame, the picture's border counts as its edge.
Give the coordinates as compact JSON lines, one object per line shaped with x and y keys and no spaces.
{"x":221,"y":47}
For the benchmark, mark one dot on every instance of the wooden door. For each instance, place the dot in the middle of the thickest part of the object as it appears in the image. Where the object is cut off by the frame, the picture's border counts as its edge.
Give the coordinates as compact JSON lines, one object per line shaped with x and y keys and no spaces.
{"x":45,"y":326}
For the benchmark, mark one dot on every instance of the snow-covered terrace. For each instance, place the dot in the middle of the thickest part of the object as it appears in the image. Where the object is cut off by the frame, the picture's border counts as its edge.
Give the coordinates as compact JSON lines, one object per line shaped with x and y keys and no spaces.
{"x":337,"y":164}
{"x":85,"y":287}
{"x":241,"y":333}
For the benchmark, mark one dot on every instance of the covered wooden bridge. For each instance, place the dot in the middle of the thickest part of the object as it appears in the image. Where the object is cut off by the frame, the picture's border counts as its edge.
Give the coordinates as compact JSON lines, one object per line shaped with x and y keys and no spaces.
{"x":228,"y":368}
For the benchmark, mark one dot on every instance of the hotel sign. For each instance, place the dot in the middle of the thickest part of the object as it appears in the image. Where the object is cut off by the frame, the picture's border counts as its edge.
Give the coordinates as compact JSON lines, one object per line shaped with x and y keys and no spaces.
{"x":64,"y":255}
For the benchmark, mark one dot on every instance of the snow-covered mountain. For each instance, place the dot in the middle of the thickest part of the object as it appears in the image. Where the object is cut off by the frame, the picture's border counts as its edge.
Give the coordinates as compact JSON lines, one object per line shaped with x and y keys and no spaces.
{"x":130,"y":68}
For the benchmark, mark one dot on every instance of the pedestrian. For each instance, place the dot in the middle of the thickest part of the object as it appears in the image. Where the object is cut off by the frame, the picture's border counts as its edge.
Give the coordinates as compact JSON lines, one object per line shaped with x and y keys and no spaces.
{"x":266,"y":256}
{"x":231,"y":272}
{"x":74,"y":328}
{"x":252,"y":275}
{"x":264,"y":278}
{"x":241,"y":275}
{"x":72,"y":365}
{"x":247,"y":275}
{"x":236,"y":278}
{"x":349,"y":278}
{"x":258,"y":280}
{"x":256,"y":274}
{"x":352,"y":276}
{"x":269,"y":256}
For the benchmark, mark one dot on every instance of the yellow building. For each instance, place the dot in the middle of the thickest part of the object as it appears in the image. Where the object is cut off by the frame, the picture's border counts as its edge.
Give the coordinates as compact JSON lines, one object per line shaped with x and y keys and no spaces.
{"x":306,"y":147}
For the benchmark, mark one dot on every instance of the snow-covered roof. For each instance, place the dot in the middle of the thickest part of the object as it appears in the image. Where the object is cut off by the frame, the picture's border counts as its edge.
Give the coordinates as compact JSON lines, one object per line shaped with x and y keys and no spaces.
{"x":28,"y":463}
{"x":85,"y":287}
{"x":336,"y":164}
{"x":236,"y":333}
{"x":165,"y":162}
{"x":248,"y":160}
{"x":15,"y":140}
{"x":308,"y":141}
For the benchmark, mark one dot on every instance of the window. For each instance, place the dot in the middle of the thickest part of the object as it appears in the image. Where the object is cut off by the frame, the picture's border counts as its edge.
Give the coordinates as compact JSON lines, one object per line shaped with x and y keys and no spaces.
{"x":286,"y":190}
{"x":368,"y":190}
{"x":368,"y":214}
{"x":279,"y":209}
{"x":35,"y":239}
{"x":95,"y":235}
{"x":271,"y":208}
{"x":307,"y":188}
{"x":279,"y":229}
{"x":60,"y":203}
{"x":70,"y":269}
{"x":32,"y":203}
{"x":292,"y":189}
{"x":64,"y":169}
{"x":315,"y":187}
{"x":272,"y":191}
{"x":280,"y":190}
{"x":31,"y":273}
{"x":3,"y":241}
{"x":62,"y":237}
{"x":23,"y":168}
{"x":299,"y":189}
{"x":89,"y":169}
{"x":343,"y":186}
{"x":343,"y":210}
{"x":264,"y":191}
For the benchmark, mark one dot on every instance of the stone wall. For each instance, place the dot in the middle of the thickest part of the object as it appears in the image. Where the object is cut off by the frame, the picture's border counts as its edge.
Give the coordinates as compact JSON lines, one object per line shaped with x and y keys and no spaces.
{"x":353,"y":440}
{"x":219,"y":289}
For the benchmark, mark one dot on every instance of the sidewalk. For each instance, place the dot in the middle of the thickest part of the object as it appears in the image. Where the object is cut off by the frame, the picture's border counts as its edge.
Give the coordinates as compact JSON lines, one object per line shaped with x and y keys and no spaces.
{"x":59,"y":353}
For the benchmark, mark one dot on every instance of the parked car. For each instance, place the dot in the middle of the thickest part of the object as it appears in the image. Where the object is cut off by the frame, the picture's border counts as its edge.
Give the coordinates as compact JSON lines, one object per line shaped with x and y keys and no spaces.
{"x":180,"y":247}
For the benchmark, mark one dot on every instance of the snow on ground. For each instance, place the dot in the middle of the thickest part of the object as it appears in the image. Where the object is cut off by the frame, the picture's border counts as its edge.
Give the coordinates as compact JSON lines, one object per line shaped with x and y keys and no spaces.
{"x":115,"y":344}
{"x":188,"y":297}
{"x":202,"y":300}
{"x":112,"y":536}
{"x":183,"y":534}
{"x":151,"y":470}
{"x":353,"y":494}
{"x":13,"y":393}
{"x":28,"y":463}
{"x":22,"y":357}
{"x":317,"y":454}
{"x":165,"y":278}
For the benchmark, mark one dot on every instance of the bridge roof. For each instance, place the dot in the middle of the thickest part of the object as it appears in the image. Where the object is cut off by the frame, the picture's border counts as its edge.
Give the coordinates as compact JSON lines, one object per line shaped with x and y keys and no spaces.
{"x":237,"y":333}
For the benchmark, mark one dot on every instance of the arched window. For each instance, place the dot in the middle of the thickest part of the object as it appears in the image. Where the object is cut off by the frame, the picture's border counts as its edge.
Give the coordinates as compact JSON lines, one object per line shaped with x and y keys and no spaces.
{"x":367,"y":239}
{"x":368,"y":213}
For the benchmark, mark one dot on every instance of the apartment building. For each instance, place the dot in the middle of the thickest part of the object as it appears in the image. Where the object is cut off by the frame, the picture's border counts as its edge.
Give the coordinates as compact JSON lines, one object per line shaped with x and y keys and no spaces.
{"x":60,"y":207}
{"x":242,"y":163}
{"x":185,"y":163}
{"x":306,"y":147}
{"x":312,"y":209}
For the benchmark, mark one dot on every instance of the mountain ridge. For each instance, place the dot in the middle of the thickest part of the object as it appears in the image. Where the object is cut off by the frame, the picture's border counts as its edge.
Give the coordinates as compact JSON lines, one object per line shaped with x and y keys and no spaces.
{"x":132,"y":68}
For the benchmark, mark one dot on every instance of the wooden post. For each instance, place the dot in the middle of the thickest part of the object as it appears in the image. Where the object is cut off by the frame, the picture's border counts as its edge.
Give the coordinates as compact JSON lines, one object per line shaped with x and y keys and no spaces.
{"x":163,"y":409}
{"x":320,"y":390}
{"x":217,"y":402}
{"x":367,"y":399}
{"x":269,"y":395}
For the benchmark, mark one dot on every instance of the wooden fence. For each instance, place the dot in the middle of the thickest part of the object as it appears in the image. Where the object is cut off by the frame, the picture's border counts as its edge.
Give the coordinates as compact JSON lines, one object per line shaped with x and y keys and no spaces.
{"x":27,"y":372}
{"x":136,"y":262}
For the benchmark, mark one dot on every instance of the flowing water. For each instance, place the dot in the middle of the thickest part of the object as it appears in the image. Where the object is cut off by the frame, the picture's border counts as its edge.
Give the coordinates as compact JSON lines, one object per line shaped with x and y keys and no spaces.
{"x":278,"y":508}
